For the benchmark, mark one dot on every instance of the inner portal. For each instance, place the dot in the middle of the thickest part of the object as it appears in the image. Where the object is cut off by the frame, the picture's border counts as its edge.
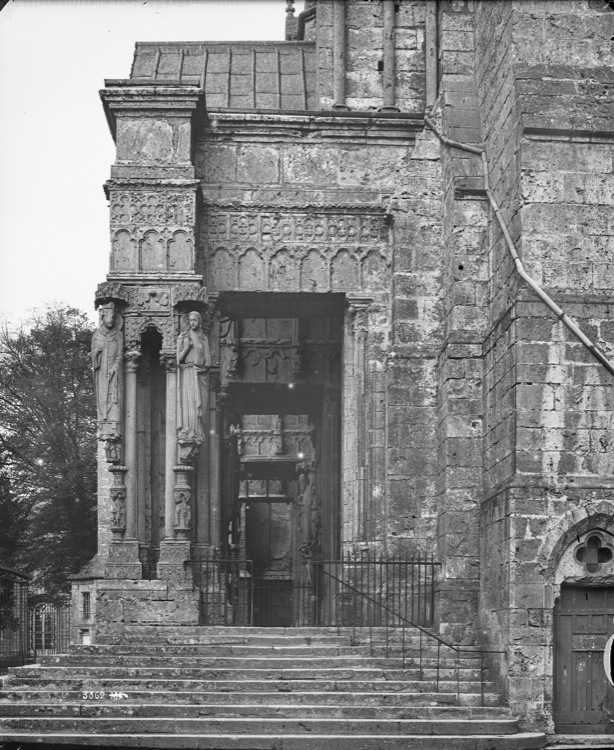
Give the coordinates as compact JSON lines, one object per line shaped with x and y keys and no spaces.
{"x":282,"y":461}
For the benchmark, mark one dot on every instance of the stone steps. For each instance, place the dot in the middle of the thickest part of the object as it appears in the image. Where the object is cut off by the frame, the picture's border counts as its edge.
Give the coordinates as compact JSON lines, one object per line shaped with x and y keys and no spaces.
{"x":263,"y":698}
{"x":519,"y":741}
{"x":257,"y":726}
{"x":71,"y":706}
{"x":247,"y":674}
{"x":212,"y":664}
{"x":269,"y":689}
{"x":415,"y":688}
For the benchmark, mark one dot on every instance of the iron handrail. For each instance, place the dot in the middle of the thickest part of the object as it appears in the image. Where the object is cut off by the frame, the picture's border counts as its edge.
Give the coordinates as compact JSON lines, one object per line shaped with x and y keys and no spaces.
{"x":458,"y":650}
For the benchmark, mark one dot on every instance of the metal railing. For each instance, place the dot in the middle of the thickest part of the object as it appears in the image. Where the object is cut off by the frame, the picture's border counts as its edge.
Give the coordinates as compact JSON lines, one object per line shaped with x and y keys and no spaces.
{"x":14,"y":620}
{"x":232,"y":593}
{"x":226,"y":596}
{"x":437,"y":660}
{"x":49,"y":627}
{"x":373,"y":591}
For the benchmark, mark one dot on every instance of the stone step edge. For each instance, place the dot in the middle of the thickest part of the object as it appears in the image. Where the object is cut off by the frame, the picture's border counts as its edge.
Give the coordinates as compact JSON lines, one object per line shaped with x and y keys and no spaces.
{"x":276,"y":719}
{"x":521,"y":741}
{"x":505,"y":712}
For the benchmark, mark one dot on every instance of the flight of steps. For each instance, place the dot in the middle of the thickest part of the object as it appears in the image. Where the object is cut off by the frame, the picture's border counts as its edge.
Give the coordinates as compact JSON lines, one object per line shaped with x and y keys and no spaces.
{"x":252,"y":689}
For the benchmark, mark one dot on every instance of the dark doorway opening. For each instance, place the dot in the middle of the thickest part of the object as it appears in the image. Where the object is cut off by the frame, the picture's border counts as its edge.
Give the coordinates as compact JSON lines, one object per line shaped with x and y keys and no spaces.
{"x":281,"y":461}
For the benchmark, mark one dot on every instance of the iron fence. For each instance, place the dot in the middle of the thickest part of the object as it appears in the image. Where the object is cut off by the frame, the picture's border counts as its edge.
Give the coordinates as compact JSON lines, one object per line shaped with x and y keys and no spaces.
{"x":14,"y":620}
{"x":360,"y":590}
{"x":437,"y":660}
{"x":49,"y":627}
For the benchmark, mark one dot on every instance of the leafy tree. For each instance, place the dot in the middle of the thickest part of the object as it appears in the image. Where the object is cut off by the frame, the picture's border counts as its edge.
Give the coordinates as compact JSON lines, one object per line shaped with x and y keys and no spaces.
{"x":47,"y":447}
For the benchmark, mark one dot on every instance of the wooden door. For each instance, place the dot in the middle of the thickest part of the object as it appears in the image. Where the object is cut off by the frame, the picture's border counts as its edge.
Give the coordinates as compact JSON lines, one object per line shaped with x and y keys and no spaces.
{"x":583,"y":697}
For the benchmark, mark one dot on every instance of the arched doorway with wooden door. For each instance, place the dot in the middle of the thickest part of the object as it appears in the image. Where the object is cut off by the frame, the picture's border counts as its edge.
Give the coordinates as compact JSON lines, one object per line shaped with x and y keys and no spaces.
{"x":583,"y":621}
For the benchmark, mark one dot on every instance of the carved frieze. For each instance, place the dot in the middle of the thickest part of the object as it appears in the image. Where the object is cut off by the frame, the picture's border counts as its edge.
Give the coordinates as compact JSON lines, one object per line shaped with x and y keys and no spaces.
{"x":152,"y":208}
{"x":273,"y":227}
{"x":320,"y":250}
{"x":152,"y":299}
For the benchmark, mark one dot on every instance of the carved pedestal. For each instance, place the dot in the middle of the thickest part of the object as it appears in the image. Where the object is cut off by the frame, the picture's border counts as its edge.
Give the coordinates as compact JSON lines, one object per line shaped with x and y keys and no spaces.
{"x":124,"y":561}
{"x":175,"y":552}
{"x":174,"y":556}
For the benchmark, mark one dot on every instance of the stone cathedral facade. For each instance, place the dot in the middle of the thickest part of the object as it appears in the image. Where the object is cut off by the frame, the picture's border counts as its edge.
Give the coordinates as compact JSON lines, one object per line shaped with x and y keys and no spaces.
{"x":315,"y":339}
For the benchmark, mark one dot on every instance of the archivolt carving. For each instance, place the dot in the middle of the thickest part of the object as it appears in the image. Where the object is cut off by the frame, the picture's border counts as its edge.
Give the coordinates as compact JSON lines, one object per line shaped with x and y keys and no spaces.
{"x":136,"y":326}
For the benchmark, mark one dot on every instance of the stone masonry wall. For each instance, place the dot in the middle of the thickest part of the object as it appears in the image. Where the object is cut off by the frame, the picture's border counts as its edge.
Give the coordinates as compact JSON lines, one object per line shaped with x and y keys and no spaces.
{"x":548,"y":402}
{"x":465,"y":301}
{"x":364,"y":45}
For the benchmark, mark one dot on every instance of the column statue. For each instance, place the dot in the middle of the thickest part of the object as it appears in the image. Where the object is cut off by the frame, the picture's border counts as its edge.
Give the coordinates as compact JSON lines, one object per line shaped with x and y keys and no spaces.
{"x":107,"y":363}
{"x":193,"y":362}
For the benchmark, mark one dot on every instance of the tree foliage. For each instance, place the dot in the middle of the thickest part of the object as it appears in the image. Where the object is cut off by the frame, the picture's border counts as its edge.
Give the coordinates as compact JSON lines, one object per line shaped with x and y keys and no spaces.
{"x":47,"y":447}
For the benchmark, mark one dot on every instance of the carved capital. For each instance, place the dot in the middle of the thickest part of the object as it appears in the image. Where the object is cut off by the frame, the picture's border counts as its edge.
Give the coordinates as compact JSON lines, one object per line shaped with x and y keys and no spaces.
{"x":112,"y":290}
{"x":132,"y":357}
{"x":112,"y":443}
{"x":358,"y":308}
{"x":168,"y":360}
{"x":188,"y":449}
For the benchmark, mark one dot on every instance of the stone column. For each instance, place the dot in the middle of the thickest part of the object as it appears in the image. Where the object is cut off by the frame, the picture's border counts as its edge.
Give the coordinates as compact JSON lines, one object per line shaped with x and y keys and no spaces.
{"x":174,"y":548}
{"x":132,"y":366}
{"x":354,"y":386}
{"x":124,"y":559}
{"x":169,"y":361}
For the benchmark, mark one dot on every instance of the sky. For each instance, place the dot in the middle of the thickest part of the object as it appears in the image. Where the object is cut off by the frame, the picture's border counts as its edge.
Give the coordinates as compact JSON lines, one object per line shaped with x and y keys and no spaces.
{"x":55,"y":146}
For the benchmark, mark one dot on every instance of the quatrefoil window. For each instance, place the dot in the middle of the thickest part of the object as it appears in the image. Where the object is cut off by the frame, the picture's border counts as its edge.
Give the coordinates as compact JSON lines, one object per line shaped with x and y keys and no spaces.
{"x":593,"y":554}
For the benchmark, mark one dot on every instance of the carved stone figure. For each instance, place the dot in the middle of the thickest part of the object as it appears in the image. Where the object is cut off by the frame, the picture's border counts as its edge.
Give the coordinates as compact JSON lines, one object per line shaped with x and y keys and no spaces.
{"x":107,"y":362}
{"x":193,"y":361}
{"x":183,"y":514}
{"x":118,"y":510}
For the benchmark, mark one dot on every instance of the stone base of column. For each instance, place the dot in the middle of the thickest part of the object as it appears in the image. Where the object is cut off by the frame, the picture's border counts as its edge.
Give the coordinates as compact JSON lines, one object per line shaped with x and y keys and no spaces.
{"x":124,"y":561}
{"x":174,"y":554}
